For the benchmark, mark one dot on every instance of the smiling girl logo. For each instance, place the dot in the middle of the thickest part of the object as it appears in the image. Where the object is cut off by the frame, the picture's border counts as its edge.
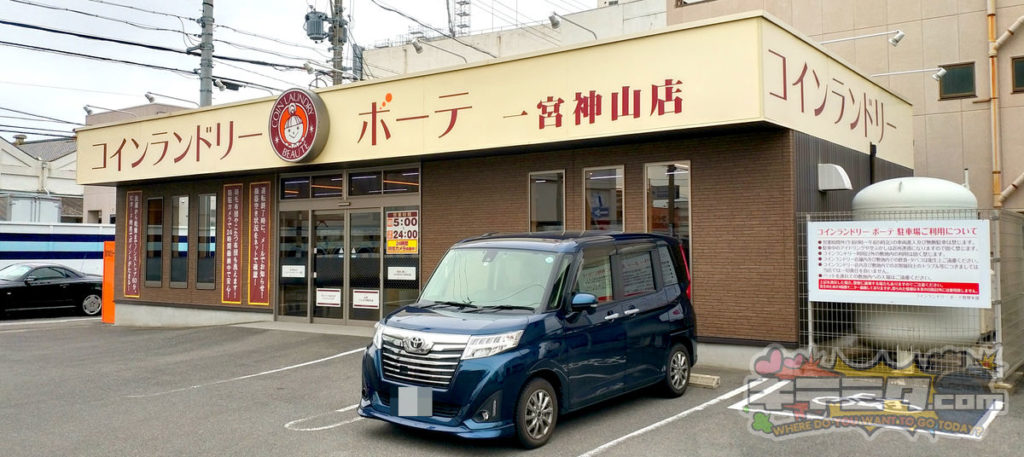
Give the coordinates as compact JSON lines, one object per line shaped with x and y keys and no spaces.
{"x":298,"y":125}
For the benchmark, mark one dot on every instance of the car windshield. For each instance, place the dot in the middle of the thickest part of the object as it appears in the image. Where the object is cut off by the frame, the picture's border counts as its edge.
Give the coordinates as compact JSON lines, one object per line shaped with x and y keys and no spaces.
{"x":493,"y":278}
{"x":14,"y":272}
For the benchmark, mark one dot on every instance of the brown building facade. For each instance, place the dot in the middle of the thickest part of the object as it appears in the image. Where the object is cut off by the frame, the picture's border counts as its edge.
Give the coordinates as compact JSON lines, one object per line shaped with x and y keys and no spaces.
{"x":722,"y":152}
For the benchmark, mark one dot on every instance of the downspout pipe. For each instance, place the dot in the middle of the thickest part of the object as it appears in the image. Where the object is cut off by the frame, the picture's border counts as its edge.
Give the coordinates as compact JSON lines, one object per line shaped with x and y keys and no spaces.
{"x":993,"y":106}
{"x":1002,"y":40}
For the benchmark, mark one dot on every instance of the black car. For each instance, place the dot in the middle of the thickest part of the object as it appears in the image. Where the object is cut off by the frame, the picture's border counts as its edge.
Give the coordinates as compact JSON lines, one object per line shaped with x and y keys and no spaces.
{"x":33,"y":286}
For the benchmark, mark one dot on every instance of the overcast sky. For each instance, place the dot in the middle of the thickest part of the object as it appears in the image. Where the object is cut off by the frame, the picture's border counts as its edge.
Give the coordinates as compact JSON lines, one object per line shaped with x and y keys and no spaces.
{"x":58,"y":86}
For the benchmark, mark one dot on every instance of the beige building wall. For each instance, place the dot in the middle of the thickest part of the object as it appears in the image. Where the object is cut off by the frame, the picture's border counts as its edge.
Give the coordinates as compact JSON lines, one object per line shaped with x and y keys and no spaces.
{"x":949,"y":135}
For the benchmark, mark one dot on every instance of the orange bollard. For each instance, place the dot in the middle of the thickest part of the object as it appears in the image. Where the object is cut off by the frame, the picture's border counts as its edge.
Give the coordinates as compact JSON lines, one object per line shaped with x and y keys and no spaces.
{"x":108,"y":282}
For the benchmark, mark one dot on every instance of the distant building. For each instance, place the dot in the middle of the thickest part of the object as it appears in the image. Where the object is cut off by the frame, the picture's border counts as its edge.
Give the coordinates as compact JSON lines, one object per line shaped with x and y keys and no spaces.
{"x":37,"y":182}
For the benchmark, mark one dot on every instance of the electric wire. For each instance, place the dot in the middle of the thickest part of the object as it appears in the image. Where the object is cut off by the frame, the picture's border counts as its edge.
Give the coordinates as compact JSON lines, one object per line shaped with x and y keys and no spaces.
{"x":34,"y":128}
{"x":532,"y":30}
{"x":100,"y":16}
{"x":400,"y":13}
{"x":26,"y":113}
{"x":128,"y":62}
{"x":36,"y":133}
{"x":76,"y":89}
{"x":160,"y":13}
{"x":149,"y":46}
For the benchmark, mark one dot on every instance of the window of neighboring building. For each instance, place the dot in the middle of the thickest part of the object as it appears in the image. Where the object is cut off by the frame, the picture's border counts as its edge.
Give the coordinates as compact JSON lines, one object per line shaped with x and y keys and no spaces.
{"x":206,"y":257}
{"x":179,"y":241}
{"x":668,"y":198}
{"x":328,"y":186}
{"x":958,"y":82}
{"x":547,"y":201}
{"x":602,"y":191}
{"x":1018,"y":74}
{"x":154,"y":241}
{"x":93,"y":216}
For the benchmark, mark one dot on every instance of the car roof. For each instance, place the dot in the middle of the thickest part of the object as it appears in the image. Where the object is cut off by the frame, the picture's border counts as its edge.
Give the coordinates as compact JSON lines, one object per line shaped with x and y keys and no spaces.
{"x":555,"y":241}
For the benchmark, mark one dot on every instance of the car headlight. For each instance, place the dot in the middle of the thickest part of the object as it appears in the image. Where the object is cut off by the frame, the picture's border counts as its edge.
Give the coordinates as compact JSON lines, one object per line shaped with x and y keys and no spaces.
{"x":488,"y":345}
{"x":378,"y":334}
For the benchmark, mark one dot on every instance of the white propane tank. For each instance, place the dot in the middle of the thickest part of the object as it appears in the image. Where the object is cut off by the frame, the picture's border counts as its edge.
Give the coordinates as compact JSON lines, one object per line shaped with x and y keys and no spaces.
{"x":919,"y":327}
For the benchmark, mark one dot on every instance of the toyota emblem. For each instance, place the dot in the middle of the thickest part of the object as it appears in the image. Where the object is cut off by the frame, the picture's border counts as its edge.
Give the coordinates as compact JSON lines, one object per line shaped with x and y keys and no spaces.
{"x":416,"y":345}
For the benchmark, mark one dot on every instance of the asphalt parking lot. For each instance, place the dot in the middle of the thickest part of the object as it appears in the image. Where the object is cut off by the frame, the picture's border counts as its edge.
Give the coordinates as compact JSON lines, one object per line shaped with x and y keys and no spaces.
{"x":76,"y":387}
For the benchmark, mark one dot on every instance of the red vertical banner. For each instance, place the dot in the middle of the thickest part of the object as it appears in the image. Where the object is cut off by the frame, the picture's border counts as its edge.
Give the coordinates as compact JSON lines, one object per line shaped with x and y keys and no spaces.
{"x":132,"y":243}
{"x":231,"y":291}
{"x":259,"y":243}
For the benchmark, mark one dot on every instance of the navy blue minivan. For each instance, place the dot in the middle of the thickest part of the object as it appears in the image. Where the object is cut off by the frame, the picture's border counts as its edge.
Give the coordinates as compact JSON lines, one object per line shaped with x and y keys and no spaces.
{"x":512,"y":331}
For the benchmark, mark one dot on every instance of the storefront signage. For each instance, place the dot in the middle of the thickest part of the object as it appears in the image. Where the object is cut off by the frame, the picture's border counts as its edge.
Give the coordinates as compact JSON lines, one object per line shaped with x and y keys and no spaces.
{"x":298,"y":125}
{"x":365,"y":299}
{"x":133,"y":244}
{"x":742,"y":71}
{"x":231,"y":289}
{"x":328,"y":297}
{"x":293,"y":271}
{"x":401,"y":273}
{"x":930,"y":263}
{"x":403,"y":232}
{"x":259,"y":243}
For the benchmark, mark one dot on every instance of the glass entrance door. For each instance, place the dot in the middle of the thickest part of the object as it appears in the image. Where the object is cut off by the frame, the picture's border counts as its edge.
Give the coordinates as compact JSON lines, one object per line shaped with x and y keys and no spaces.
{"x":365,"y":240}
{"x":328,"y":264}
{"x":293,"y":242}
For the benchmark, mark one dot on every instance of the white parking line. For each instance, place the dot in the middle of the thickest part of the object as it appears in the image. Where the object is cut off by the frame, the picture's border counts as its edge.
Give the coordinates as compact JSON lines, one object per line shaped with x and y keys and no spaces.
{"x":701,"y":407}
{"x":222,"y":381}
{"x":79,"y":319}
{"x":293,"y":424}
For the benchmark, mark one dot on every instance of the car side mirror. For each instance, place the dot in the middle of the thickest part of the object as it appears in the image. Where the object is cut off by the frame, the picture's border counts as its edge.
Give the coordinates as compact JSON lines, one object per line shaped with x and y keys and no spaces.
{"x":583,"y":302}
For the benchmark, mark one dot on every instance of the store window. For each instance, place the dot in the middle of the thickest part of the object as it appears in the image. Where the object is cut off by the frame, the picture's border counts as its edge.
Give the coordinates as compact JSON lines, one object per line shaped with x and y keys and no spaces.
{"x":602,"y":190}
{"x":1018,"y":74}
{"x":206,"y":255}
{"x":328,"y":186}
{"x":958,"y":82}
{"x":365,"y":183}
{"x":399,"y":181}
{"x":179,"y":241}
{"x":547,"y":201}
{"x":668,"y":198}
{"x":295,"y":188}
{"x":154,"y":242}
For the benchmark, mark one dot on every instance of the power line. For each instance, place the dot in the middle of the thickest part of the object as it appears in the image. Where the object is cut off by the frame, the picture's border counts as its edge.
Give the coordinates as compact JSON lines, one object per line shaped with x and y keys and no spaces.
{"x":256,"y":35}
{"x":100,"y":16}
{"x":526,"y":28}
{"x":127,"y":62}
{"x":34,"y":128}
{"x":77,"y":89}
{"x":147,"y":46}
{"x":39,"y":116}
{"x":160,"y":13}
{"x":36,"y":133}
{"x":388,"y":8}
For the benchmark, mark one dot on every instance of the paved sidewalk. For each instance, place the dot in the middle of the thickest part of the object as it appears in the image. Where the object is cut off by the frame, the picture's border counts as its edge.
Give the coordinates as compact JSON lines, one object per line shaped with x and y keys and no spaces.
{"x":328,"y":329}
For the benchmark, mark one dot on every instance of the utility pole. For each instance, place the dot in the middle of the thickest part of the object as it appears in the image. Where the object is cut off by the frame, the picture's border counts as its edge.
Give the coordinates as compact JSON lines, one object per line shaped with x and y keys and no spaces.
{"x":206,"y":59}
{"x":338,"y":39}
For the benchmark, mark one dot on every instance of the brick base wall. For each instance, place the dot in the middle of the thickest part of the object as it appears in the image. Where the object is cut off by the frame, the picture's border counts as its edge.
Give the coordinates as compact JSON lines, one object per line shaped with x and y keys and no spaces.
{"x":742,"y":217}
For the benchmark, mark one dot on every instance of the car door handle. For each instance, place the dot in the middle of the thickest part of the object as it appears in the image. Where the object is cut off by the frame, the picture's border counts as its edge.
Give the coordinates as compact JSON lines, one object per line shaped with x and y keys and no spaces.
{"x":631,"y":311}
{"x":611,"y":316}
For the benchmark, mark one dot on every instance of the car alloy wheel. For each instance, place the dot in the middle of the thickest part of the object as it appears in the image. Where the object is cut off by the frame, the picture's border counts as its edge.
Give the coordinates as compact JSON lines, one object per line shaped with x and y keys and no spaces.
{"x":677,"y":371}
{"x":92,"y":304}
{"x":536,"y":413}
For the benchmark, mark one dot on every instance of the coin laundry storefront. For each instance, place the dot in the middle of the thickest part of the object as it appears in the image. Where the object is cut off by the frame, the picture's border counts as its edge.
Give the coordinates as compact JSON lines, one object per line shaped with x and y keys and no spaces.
{"x":335,"y":206}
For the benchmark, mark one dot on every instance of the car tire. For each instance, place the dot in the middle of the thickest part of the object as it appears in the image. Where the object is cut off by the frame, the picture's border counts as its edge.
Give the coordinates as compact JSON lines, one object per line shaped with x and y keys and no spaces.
{"x":536,"y":413}
{"x":677,"y":371}
{"x":92,"y":304}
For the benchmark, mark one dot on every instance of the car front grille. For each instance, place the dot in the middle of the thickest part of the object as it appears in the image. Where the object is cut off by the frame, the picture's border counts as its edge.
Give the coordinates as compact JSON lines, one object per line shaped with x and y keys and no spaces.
{"x":435,"y":368}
